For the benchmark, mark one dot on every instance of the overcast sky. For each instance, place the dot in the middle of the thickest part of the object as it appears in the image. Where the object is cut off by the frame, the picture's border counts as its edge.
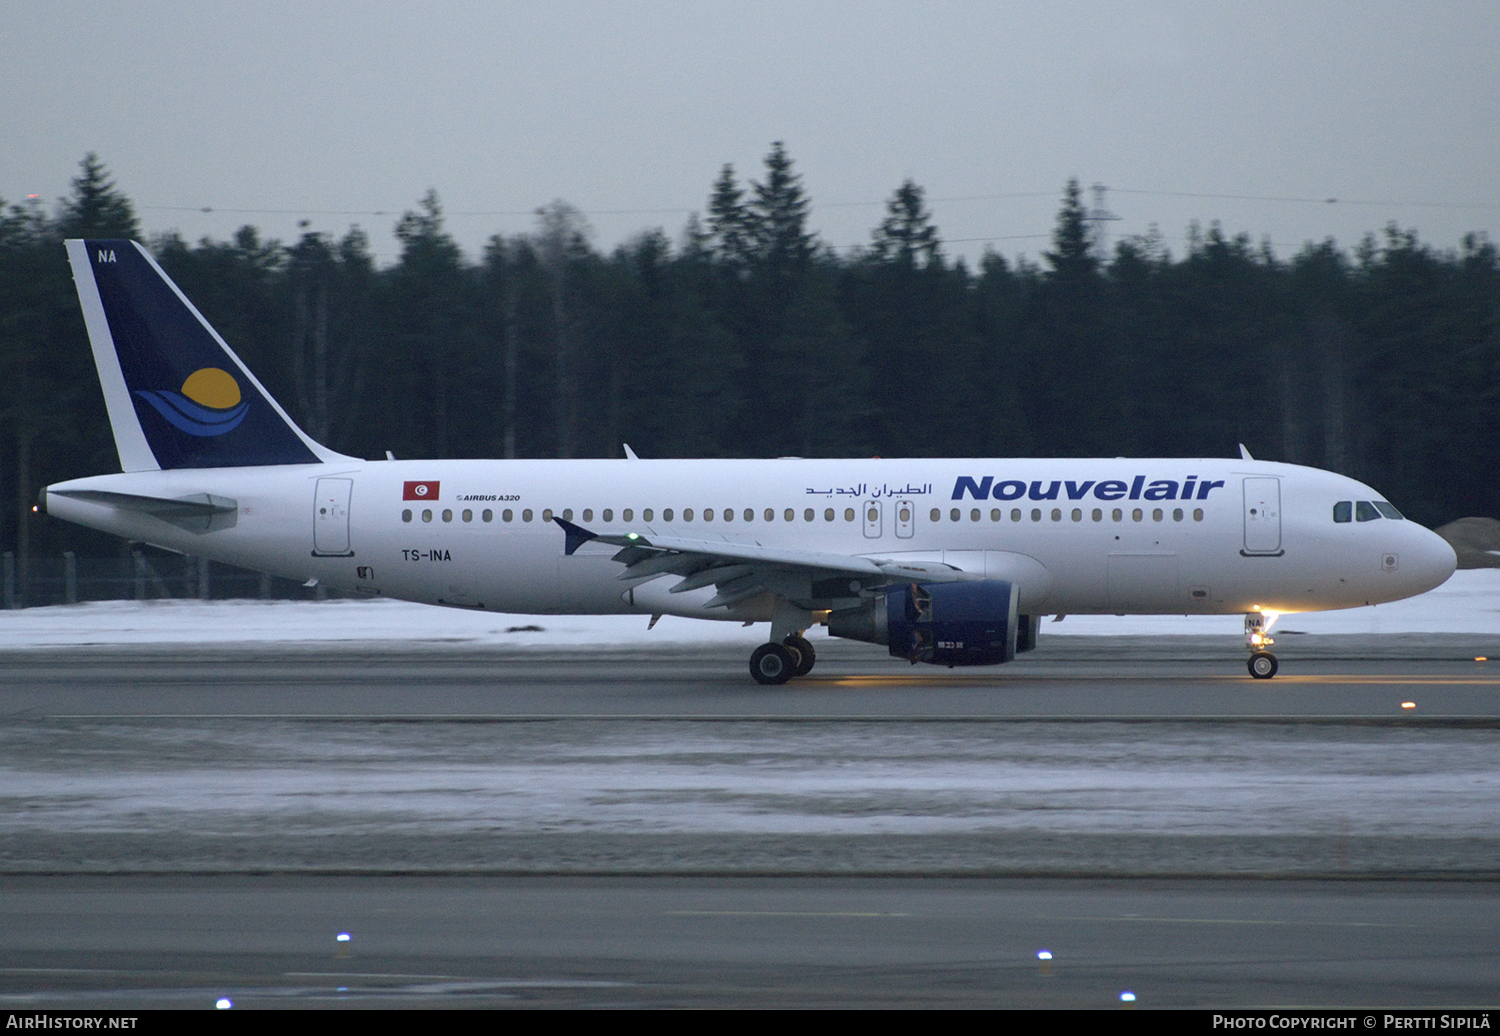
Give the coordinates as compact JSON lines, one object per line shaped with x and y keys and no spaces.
{"x":1249,"y":114}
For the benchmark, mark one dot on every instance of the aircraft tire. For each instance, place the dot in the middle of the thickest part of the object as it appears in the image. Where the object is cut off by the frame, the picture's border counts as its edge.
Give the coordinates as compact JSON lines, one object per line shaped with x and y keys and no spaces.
{"x":1263,"y":665}
{"x":800,"y":645}
{"x":774,"y":663}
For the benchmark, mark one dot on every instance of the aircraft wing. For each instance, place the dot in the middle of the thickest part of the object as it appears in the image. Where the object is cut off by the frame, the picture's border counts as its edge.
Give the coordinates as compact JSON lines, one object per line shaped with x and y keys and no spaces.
{"x":740,"y":569}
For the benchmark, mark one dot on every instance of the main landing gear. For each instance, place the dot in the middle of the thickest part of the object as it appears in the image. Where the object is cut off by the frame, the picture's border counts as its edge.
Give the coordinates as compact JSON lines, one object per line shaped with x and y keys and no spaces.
{"x":776,"y":663}
{"x":1262,"y":663}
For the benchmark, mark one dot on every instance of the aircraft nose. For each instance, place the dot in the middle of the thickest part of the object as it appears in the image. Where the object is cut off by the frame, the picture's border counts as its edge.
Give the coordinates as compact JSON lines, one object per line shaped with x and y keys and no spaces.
{"x":1433,"y":559}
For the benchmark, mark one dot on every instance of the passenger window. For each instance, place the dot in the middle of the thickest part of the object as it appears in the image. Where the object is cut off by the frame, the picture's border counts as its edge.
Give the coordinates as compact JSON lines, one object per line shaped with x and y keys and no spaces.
{"x":687,"y":514}
{"x":488,"y":515}
{"x":588,"y":514}
{"x":974,"y":515}
{"x":526,"y":515}
{"x":848,"y":514}
{"x":828,"y":514}
{"x":546,"y":514}
{"x":406,"y":515}
{"x":750,"y":515}
{"x":1342,"y":511}
{"x":1098,"y":515}
{"x":1036,"y":514}
{"x":507,"y":515}
{"x":1015,"y":514}
{"x":468,"y":515}
{"x":790,"y":515}
{"x":627,"y":515}
{"x":1057,"y":514}
{"x":953,"y":515}
{"x":994,"y":514}
{"x":708,"y":514}
{"x":1077,"y":515}
{"x":1177,"y":514}
{"x":936,"y":515}
{"x":807,"y":515}
{"x":567,"y":514}
{"x":729,"y":514}
{"x":427,"y":515}
{"x":609,"y":514}
{"x":1364,"y":511}
{"x":666,"y":515}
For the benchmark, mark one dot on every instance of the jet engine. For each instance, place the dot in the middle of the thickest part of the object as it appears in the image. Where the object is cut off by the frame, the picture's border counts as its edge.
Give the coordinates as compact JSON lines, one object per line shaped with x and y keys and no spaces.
{"x":948,"y":624}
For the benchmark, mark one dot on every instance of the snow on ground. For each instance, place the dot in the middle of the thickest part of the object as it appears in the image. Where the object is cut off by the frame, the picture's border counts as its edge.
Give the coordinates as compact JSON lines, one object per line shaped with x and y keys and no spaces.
{"x":1468,"y":603}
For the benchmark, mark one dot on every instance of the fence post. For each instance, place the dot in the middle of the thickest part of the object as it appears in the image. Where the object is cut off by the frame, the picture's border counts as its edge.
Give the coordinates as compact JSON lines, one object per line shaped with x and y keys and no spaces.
{"x":202,"y":579}
{"x":10,"y":580}
{"x":140,"y":573}
{"x":70,"y":577}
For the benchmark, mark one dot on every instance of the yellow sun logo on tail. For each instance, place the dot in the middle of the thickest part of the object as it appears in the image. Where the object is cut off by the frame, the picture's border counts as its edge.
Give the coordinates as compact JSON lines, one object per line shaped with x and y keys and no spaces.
{"x":212,"y":387}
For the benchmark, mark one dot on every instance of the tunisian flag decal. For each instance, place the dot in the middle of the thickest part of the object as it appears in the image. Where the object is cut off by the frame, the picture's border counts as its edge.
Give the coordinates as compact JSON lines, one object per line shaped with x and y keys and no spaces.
{"x":419,"y":490}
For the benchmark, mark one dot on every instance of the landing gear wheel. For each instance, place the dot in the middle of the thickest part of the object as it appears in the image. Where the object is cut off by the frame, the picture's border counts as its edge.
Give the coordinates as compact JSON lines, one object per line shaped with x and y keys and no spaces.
{"x":774,"y":663}
{"x":799,"y":644}
{"x":1263,"y":665}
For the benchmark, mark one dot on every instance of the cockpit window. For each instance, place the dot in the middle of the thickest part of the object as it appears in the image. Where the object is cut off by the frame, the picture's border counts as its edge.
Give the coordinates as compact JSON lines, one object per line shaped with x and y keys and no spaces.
{"x":1343,"y":510}
{"x":1364,"y":511}
{"x":1387,"y":510}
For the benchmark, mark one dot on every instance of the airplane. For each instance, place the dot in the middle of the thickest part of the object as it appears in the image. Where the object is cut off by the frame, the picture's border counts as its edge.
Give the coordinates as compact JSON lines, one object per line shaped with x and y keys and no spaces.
{"x":948,"y":562}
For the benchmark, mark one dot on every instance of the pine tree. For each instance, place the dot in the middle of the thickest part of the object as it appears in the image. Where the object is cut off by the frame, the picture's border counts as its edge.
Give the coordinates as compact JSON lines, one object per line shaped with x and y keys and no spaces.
{"x":906,"y":236}
{"x":728,"y":222}
{"x":1072,"y":257}
{"x":96,"y":208}
{"x":778,"y":220}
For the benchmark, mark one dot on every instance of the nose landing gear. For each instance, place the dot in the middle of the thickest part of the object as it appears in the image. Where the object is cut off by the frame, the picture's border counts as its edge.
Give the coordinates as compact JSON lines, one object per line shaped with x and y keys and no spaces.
{"x":1262,"y":663}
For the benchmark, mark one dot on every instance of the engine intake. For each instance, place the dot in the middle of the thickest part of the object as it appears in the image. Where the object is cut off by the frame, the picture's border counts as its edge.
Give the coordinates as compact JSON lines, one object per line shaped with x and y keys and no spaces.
{"x":948,"y":624}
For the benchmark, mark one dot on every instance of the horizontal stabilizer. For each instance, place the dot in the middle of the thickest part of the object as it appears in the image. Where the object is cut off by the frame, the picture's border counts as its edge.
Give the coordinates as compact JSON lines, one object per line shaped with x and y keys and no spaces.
{"x":198,"y":512}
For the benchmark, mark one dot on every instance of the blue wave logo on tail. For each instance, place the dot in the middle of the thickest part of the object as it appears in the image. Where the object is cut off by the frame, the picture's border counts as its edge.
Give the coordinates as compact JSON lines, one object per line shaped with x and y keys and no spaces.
{"x":209,"y":403}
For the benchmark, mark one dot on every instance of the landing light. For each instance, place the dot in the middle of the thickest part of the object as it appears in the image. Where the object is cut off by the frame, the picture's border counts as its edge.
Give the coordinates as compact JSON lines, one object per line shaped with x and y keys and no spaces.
{"x":1127,"y":997}
{"x":223,"y":1003}
{"x":1408,"y":705}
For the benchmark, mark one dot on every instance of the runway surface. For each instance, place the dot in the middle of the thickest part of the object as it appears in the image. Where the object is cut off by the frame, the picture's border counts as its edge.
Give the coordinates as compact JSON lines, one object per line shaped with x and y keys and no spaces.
{"x":365,"y":761}
{"x":612,"y":828}
{"x":128,"y":943}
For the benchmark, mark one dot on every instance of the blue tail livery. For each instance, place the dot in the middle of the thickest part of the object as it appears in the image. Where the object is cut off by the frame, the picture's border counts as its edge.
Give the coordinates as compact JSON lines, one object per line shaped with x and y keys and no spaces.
{"x":177,"y":395}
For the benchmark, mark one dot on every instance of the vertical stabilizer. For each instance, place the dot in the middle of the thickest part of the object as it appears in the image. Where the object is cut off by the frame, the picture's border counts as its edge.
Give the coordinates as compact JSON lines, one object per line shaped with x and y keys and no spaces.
{"x":177,"y":396}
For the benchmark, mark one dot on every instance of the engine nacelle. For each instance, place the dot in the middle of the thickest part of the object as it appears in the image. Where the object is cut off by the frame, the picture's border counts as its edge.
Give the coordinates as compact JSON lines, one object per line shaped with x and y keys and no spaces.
{"x":944,"y":623}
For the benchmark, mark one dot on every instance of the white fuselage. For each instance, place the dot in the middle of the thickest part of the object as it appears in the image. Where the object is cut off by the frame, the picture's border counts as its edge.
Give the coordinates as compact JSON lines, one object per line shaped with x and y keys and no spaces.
{"x":1076,"y":536}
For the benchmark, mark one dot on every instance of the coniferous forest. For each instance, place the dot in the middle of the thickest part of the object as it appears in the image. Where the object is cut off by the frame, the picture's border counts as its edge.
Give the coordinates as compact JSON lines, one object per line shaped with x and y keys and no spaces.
{"x":745,"y":336}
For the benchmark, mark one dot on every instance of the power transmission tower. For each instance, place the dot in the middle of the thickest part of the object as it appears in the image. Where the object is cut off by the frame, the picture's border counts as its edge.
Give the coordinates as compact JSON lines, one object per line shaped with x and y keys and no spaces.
{"x":1097,"y":218}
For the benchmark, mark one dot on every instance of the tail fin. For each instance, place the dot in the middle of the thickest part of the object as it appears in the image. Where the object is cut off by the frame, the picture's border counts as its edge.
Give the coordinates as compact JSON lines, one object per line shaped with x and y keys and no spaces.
{"x":177,"y":396}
